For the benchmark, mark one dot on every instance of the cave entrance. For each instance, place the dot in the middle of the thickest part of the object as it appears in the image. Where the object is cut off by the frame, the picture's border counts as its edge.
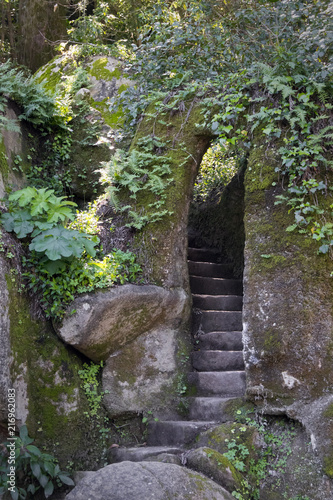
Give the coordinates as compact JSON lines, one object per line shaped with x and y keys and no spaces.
{"x":217,"y":209}
{"x":216,"y":261}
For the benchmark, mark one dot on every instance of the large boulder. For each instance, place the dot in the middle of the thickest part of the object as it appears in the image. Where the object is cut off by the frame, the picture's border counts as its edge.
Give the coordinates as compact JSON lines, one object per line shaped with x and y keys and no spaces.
{"x":141,"y":332}
{"x":147,"y":481}
{"x":143,"y":375}
{"x":106,"y":321}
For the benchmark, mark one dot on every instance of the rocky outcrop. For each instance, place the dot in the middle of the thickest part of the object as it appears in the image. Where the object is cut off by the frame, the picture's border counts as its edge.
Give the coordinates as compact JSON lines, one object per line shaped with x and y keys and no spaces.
{"x":216,"y":466}
{"x":287,"y":312}
{"x":161,"y":246}
{"x":14,"y":151}
{"x":41,"y":370}
{"x":145,"y":481}
{"x":5,"y":382}
{"x":141,"y":332}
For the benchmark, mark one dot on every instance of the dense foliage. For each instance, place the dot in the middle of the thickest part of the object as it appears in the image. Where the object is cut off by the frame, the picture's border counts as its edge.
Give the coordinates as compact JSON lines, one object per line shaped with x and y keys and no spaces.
{"x":260,"y":68}
{"x":64,"y":259}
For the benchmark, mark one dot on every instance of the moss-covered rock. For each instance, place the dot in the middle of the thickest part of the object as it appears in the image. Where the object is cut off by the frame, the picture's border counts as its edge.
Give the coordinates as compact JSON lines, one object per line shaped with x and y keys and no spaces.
{"x":143,"y":376}
{"x":43,"y":371}
{"x":287,"y":312}
{"x":101,"y":323}
{"x":216,"y":466}
{"x":15,"y":147}
{"x":93,"y":126}
{"x":161,"y":246}
{"x":141,"y":480}
{"x":219,"y":437}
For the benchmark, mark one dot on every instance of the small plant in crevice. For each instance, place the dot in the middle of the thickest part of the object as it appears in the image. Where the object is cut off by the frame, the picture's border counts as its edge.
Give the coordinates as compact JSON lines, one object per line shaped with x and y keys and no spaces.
{"x":147,"y":417}
{"x":90,"y":376}
{"x":90,"y":385}
{"x":34,"y":470}
{"x":257,"y":465}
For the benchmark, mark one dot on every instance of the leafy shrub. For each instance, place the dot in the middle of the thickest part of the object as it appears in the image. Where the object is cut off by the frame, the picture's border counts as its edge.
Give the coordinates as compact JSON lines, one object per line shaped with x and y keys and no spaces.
{"x":81,"y":275}
{"x":34,"y":470}
{"x":63,"y":261}
{"x":37,"y":213}
{"x":216,"y":170}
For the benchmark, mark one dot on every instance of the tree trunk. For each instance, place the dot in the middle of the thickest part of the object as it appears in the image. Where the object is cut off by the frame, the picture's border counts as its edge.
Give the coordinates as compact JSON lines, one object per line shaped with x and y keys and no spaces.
{"x":42,"y":25}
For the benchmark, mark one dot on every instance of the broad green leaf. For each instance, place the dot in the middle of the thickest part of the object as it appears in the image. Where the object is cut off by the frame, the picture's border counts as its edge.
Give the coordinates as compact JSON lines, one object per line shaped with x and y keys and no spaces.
{"x":291,"y":228}
{"x":7,"y":220}
{"x":23,"y":432}
{"x":66,"y":480}
{"x":89,"y":246}
{"x":43,"y":480}
{"x":49,"y":467}
{"x":54,"y":247}
{"x":33,"y":450}
{"x":54,"y":266}
{"x":19,"y":222}
{"x":23,"y":196}
{"x":57,"y":243}
{"x":35,"y":467}
{"x":59,"y":212}
{"x":324,"y":248}
{"x":14,"y":494}
{"x":41,"y":201}
{"x":48,"y":490}
{"x":41,"y":226}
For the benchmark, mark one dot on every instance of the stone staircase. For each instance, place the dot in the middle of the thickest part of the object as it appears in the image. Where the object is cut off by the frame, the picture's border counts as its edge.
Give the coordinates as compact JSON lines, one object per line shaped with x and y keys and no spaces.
{"x":217,"y":359}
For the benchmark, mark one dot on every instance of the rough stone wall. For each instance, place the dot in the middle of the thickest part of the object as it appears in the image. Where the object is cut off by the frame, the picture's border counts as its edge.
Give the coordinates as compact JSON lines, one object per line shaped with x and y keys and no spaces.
{"x":287,"y":314}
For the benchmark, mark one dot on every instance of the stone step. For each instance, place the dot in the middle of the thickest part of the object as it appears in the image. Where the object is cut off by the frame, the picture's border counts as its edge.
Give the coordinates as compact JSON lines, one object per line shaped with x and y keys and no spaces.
{"x":211,"y":409}
{"x":221,"y":341}
{"x":140,"y":454}
{"x":218,"y":302}
{"x":175,"y":433}
{"x":215,"y":286}
{"x":213,"y":361}
{"x":224,"y":384}
{"x":210,"y":269}
{"x":203,"y":254}
{"x":223,"y":321}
